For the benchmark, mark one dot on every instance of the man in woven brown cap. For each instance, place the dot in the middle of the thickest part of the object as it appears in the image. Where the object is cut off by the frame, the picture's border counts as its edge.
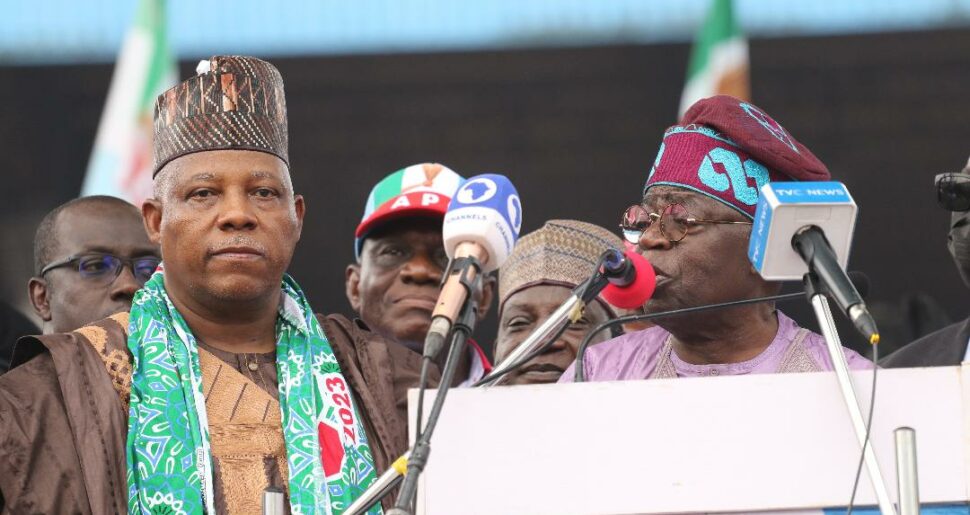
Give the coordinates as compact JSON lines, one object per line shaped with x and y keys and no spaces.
{"x":538,"y":277}
{"x":221,"y":382}
{"x":693,"y":225}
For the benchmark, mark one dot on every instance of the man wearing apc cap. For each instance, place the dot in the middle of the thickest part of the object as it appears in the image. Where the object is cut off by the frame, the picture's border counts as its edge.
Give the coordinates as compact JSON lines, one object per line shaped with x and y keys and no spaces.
{"x":693,"y":225}
{"x":394,"y":284}
{"x":221,"y":382}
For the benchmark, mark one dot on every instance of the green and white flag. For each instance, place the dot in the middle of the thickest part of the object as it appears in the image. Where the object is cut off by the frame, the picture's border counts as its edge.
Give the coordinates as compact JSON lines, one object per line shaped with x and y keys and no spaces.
{"x":719,"y":60}
{"x":121,"y":162}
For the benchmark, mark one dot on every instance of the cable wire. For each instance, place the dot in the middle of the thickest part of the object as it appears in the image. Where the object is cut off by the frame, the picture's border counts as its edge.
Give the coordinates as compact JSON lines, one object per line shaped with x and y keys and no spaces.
{"x":422,"y":386}
{"x":872,"y":406}
{"x":580,"y":372}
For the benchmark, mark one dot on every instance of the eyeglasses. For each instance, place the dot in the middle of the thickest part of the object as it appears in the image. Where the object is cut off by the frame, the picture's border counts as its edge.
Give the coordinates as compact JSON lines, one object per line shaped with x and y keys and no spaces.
{"x":674,"y":220}
{"x":953,"y":191}
{"x":105,"y":268}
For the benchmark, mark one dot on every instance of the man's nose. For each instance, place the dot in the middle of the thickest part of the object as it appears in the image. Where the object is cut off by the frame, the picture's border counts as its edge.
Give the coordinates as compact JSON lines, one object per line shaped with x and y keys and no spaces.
{"x":653,"y":239}
{"x":236,"y":212}
{"x":421,"y":269}
{"x":124,"y":286}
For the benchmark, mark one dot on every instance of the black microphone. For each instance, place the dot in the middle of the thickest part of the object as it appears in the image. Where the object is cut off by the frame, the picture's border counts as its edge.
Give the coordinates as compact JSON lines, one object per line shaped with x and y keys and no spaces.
{"x":811,"y":244}
{"x":806,"y":228}
{"x":857,"y":278}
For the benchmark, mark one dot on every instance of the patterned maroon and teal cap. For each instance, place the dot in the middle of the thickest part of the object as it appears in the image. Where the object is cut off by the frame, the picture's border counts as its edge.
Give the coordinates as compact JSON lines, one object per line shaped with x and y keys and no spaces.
{"x":234,"y":102}
{"x":727,"y":149}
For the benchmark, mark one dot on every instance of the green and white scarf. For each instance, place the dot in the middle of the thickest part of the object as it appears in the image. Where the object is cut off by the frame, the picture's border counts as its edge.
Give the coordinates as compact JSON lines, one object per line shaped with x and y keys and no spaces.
{"x":167,"y":452}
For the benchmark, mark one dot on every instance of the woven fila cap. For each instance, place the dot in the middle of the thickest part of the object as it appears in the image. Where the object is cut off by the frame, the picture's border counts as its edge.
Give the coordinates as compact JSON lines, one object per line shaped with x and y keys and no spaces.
{"x":561,"y":252}
{"x":418,"y":190}
{"x":727,"y":149}
{"x":234,"y":102}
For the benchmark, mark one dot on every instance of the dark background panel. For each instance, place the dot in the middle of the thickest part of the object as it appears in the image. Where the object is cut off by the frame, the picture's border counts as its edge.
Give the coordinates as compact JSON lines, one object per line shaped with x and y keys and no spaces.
{"x":574,"y":128}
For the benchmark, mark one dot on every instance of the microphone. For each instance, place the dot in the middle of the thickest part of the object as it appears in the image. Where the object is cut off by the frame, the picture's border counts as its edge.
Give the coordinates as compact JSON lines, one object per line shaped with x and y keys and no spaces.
{"x":479,"y":230}
{"x":624,"y":280}
{"x":631,"y":279}
{"x":620,"y":273}
{"x":807,"y":227}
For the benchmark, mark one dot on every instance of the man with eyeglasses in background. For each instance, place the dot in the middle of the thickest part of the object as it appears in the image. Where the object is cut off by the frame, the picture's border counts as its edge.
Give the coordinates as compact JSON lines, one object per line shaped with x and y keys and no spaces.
{"x":948,"y":346}
{"x":693,"y":225}
{"x":91,"y":255}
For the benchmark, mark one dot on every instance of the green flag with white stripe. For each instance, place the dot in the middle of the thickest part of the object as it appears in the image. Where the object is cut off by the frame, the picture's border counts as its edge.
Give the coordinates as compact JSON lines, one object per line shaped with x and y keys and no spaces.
{"x":719,"y":60}
{"x":121,"y":161}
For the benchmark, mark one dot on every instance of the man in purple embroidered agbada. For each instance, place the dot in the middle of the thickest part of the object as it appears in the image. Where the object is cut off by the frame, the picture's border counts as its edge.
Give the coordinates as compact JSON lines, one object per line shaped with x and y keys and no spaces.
{"x":693,"y":225}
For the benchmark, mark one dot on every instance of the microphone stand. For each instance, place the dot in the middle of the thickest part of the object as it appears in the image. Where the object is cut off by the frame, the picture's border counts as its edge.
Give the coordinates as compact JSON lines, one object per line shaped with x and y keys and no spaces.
{"x":387,"y":482}
{"x":567,"y":313}
{"x":571,"y":310}
{"x":815,"y":293}
{"x":611,"y":264}
{"x":461,"y":331}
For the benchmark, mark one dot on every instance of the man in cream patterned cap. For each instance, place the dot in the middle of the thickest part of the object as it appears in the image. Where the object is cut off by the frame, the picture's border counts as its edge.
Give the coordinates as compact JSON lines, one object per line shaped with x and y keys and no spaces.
{"x":537,"y":278}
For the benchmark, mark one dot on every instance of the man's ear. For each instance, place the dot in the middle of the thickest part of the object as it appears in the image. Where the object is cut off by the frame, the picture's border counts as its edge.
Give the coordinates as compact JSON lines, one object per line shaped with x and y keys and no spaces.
{"x":151,"y":214}
{"x":352,"y":286}
{"x":489,"y":283}
{"x":39,"y":293}
{"x":300,"y":206}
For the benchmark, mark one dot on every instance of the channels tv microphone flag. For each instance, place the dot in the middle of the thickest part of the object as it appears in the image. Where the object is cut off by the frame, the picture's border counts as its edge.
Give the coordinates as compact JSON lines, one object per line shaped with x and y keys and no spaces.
{"x":479,"y":230}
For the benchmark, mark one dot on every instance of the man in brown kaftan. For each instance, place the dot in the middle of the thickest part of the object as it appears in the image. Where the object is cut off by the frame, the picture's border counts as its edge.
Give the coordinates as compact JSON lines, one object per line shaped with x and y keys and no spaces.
{"x":227,"y":220}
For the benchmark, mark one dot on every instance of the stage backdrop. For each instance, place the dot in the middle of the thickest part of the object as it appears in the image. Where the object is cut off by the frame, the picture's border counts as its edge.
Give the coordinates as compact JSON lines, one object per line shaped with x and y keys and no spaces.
{"x":575,"y":129}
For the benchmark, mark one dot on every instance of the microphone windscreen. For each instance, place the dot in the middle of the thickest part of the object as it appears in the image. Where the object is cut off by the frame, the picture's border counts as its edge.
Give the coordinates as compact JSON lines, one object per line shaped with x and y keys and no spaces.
{"x":635,"y":294}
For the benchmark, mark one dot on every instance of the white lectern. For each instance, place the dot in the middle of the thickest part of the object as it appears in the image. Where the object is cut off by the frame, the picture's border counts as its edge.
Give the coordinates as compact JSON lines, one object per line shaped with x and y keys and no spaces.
{"x":759,"y":443}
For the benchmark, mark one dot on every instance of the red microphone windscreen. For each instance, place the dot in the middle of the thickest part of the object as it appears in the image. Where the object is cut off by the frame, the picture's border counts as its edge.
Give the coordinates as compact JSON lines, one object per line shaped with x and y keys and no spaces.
{"x":636,"y":293}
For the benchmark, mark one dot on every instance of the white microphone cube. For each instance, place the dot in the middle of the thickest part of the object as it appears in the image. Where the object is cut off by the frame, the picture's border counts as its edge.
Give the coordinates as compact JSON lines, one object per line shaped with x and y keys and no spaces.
{"x":784,"y":208}
{"x":485,"y":211}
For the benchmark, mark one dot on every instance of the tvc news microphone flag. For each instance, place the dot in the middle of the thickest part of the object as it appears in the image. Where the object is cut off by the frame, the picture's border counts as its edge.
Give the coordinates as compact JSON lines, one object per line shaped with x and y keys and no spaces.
{"x":121,"y":160}
{"x":719,"y":60}
{"x":784,"y":208}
